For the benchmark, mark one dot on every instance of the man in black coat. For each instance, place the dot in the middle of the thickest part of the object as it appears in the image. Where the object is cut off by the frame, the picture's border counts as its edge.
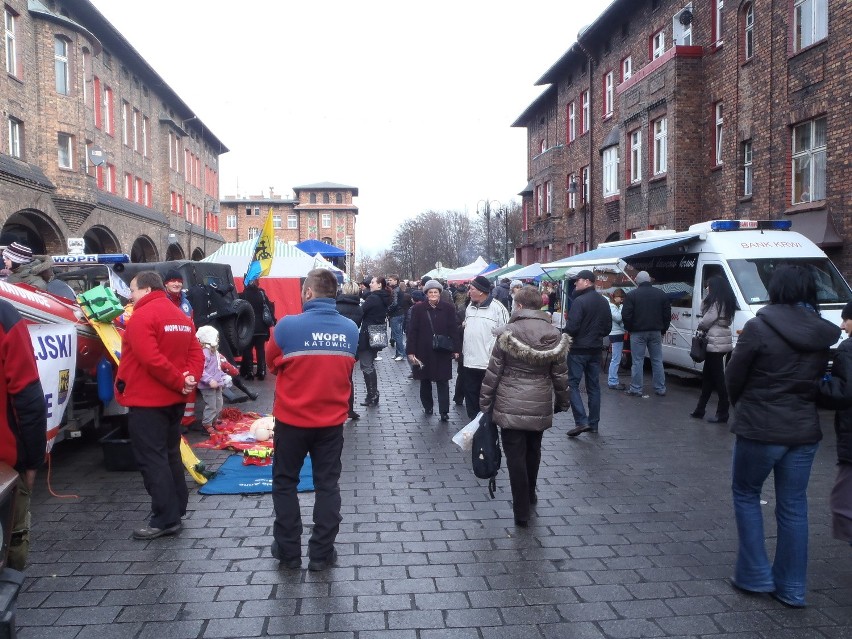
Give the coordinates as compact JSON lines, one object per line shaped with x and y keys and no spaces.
{"x":647,"y":314}
{"x":589,"y":322}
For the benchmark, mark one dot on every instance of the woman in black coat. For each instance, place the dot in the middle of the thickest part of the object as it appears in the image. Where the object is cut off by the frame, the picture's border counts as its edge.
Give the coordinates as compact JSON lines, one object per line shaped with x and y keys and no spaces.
{"x":256,"y":296}
{"x":773,"y":379}
{"x":349,"y":305}
{"x":428,"y":364}
{"x":375,"y":309}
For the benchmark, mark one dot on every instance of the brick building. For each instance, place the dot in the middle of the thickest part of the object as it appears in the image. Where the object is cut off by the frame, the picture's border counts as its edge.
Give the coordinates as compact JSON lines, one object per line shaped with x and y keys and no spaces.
{"x":664,"y":114}
{"x":94,"y":143}
{"x":322,"y":211}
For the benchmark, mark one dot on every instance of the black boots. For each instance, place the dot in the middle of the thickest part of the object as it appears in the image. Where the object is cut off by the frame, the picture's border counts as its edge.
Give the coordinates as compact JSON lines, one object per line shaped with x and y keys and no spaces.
{"x":371,"y":381}
{"x":239,"y":384}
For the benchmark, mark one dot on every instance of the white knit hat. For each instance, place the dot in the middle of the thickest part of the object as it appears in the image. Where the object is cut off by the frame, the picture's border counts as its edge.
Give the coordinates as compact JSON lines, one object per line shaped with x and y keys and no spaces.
{"x":208,"y":336}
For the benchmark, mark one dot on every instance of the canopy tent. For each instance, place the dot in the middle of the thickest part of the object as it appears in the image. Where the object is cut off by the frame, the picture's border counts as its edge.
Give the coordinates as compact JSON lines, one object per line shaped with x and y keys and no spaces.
{"x":283,"y":283}
{"x":468,"y":272}
{"x":321,"y":262}
{"x":313,"y":247}
{"x":506,"y":271}
{"x":438,"y":273}
{"x":532,"y":272}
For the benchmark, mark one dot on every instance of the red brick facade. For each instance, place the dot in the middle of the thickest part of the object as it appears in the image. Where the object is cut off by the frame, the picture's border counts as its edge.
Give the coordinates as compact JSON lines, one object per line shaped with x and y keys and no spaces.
{"x":771,"y":91}
{"x":74,"y":93}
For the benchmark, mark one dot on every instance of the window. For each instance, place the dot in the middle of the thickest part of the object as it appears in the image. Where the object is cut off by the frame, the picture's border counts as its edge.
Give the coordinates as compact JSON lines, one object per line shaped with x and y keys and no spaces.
{"x":584,"y":114}
{"x":548,"y":198}
{"x":539,"y":204}
{"x":292,"y":221}
{"x":276,"y":221}
{"x":542,"y":146}
{"x":810,"y":22}
{"x":135,"y":129}
{"x":748,"y":169}
{"x":313,"y":198}
{"x":339,"y":198}
{"x":60,"y":57}
{"x":572,"y":197}
{"x":9,"y":21}
{"x":608,"y":94}
{"x":65,"y":144}
{"x":585,"y":183}
{"x":125,"y":123}
{"x":658,"y":44}
{"x":626,"y":68}
{"x":145,"y":130}
{"x":138,"y":191}
{"x":176,"y":140}
{"x":326,"y":198}
{"x":149,"y":194}
{"x":610,"y":171}
{"x":326,"y":220}
{"x":16,"y":129}
{"x":257,"y":210}
{"x":717,"y":21}
{"x":809,"y":142}
{"x":108,"y":180}
{"x":572,"y":122}
{"x":231,"y":221}
{"x":661,"y":145}
{"x":719,"y":131}
{"x":128,"y":186}
{"x":748,"y":35}
{"x":253,"y":232}
{"x":636,"y":156}
{"x":87,"y":71}
{"x":97,"y":102}
{"x":109,"y":117}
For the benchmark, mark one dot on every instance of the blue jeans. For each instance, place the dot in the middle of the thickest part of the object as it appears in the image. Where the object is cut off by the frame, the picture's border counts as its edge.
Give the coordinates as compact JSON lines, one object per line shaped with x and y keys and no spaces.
{"x":590,"y":366}
{"x":615,"y":362}
{"x":753,"y":461}
{"x":652,"y":341}
{"x":397,"y":335}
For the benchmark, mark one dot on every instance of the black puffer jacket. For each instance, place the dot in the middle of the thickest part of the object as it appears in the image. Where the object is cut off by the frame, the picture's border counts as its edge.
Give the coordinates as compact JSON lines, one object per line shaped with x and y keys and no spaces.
{"x":527,"y":366}
{"x":774,"y":373}
{"x":350,"y":306}
{"x":837,"y":394}
{"x":589,"y":321}
{"x":646,"y":308}
{"x":375,"y":309}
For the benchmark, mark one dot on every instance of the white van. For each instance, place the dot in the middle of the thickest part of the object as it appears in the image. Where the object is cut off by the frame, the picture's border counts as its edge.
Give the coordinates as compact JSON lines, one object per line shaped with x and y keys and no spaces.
{"x":746,"y":252}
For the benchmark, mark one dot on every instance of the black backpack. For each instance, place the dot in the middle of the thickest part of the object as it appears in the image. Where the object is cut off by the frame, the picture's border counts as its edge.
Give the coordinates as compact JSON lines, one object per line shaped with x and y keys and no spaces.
{"x":486,"y":453}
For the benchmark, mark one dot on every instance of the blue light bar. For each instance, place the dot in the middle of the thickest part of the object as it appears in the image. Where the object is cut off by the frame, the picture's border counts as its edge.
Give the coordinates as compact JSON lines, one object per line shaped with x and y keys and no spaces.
{"x":725,"y":225}
{"x":92,"y":258}
{"x":750,"y":225}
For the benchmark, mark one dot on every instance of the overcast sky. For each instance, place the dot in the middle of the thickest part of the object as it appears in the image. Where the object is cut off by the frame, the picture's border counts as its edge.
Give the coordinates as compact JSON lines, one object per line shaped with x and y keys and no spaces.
{"x":410,"y":102}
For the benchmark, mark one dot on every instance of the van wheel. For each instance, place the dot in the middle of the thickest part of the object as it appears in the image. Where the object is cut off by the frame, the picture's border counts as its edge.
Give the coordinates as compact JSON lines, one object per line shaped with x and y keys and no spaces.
{"x":238,"y":327}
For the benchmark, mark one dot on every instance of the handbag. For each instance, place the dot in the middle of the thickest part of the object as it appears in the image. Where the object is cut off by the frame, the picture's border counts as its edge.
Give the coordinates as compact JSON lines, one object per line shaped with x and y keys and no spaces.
{"x":440,"y":343}
{"x":698,"y":350}
{"x":377,"y":336}
{"x":268,"y":315}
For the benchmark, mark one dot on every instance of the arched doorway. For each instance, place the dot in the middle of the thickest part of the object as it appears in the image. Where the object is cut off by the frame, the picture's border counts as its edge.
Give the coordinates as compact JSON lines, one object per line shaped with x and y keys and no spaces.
{"x":34,"y":229}
{"x":174,"y":252}
{"x":144,"y":250}
{"x":100,"y":239}
{"x":613,"y":237}
{"x":197,"y":255}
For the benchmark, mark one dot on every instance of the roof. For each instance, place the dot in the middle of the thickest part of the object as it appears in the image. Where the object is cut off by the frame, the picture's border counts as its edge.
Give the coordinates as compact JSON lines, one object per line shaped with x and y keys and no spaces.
{"x":569,"y":59}
{"x":326,"y":186}
{"x":113,"y":40}
{"x":312,"y":247}
{"x":24,"y":171}
{"x":549,"y":95}
{"x":123,"y":204}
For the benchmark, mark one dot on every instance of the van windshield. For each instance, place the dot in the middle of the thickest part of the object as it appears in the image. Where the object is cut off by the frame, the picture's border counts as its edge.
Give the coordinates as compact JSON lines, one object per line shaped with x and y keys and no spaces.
{"x":753,"y":277}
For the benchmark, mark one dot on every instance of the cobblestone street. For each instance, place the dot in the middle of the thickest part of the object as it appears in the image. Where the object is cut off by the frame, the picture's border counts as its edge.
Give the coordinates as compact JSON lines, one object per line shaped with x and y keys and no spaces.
{"x":633,"y":536}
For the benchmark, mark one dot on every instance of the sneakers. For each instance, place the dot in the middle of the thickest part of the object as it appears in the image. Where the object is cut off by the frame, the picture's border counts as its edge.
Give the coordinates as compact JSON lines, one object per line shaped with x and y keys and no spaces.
{"x":149,"y":532}
{"x":633,"y":393}
{"x":617,"y":387}
{"x":378,"y":358}
{"x":318,"y":565}
{"x":398,"y":358}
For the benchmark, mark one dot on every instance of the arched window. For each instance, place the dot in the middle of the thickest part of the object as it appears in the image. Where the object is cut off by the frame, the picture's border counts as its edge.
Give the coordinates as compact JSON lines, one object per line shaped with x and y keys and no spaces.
{"x":748,"y":31}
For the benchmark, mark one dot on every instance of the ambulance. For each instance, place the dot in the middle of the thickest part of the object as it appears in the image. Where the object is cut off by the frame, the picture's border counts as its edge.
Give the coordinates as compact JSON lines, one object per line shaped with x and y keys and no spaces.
{"x":745,"y":252}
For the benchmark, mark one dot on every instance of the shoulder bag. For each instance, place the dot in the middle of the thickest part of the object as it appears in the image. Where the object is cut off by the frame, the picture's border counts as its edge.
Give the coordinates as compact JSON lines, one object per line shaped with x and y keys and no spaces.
{"x":268,"y":316}
{"x":698,"y":350}
{"x":440,"y":343}
{"x":377,"y":336}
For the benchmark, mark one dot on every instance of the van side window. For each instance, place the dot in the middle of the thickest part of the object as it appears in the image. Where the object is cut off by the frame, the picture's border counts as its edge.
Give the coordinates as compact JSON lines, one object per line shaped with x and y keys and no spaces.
{"x":674,"y":274}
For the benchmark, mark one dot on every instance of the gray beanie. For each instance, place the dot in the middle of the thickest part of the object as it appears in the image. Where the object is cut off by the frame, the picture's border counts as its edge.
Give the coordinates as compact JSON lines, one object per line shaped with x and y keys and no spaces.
{"x":432,"y":284}
{"x":516,"y":283}
{"x":642,"y":277}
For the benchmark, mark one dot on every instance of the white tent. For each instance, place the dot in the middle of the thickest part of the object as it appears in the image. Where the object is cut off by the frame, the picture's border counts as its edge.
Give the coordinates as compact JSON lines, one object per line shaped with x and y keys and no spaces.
{"x":439,"y":273}
{"x":468,"y":272}
{"x":287,"y":261}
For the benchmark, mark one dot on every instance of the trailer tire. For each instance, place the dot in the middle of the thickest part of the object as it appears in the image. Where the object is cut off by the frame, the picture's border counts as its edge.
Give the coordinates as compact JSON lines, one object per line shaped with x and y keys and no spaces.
{"x":238,"y":327}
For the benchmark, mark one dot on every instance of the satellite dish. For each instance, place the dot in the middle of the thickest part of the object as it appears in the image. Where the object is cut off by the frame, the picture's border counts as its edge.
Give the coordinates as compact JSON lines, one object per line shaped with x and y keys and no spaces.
{"x":96,"y":155}
{"x":685,"y":17}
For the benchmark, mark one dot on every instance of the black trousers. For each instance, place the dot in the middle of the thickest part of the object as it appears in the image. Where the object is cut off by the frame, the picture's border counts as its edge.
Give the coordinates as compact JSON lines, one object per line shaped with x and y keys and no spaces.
{"x":155,"y":437}
{"x":324,"y":444}
{"x":255,"y":350}
{"x":458,"y":393}
{"x":472,"y":385}
{"x":713,"y":379}
{"x":443,"y":395}
{"x":523,"y":457}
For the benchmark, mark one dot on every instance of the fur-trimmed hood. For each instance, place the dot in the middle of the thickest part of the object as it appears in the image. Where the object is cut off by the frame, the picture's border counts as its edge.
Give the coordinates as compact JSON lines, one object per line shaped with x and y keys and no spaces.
{"x":530,"y":337}
{"x":516,"y":348}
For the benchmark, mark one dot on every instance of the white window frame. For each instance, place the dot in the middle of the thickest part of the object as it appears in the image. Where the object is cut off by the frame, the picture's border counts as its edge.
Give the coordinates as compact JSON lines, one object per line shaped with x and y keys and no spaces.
{"x":144,"y":136}
{"x":610,"y":171}
{"x":325,"y":221}
{"x":276,"y":221}
{"x":718,"y":15}
{"x":65,"y":150}
{"x":231,"y":221}
{"x":658,"y":46}
{"x":125,"y":123}
{"x":636,"y":156}
{"x":748,"y":32}
{"x":292,"y":221}
{"x":572,"y":122}
{"x":809,"y":161}
{"x":626,"y":68}
{"x":14,"y":129}
{"x":60,"y":60}
{"x":720,"y":131}
{"x":609,"y":93}
{"x":585,"y":178}
{"x":548,"y":198}
{"x":572,"y":197}
{"x":748,"y":168}
{"x":584,"y":113}
{"x":108,"y":115}
{"x":539,"y":201}
{"x":661,"y":145}
{"x":253,"y":232}
{"x":134,"y":127}
{"x":109,"y":178}
{"x":9,"y":20}
{"x":810,"y":22}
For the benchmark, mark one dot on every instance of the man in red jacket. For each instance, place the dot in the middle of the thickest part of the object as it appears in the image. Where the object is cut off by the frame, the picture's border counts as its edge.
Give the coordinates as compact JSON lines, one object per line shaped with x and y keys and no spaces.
{"x":161,"y":361}
{"x":23,"y":422}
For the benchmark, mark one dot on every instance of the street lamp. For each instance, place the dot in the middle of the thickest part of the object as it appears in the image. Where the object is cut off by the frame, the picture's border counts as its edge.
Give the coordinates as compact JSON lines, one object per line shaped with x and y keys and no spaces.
{"x":488,"y":224}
